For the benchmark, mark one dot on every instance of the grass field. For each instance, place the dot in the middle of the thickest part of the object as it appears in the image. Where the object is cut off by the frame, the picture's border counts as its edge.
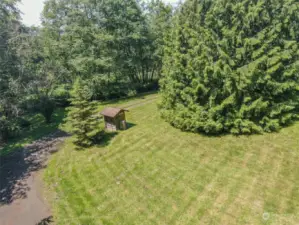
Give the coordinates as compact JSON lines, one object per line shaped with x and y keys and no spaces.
{"x":155,"y":174}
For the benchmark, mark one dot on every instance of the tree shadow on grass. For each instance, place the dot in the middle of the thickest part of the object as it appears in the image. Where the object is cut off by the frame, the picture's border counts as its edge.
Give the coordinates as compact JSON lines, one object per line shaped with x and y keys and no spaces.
{"x":46,"y":221}
{"x":37,"y":130}
{"x":100,"y":143}
{"x":106,"y":140}
{"x":109,"y":136}
{"x":18,"y":165}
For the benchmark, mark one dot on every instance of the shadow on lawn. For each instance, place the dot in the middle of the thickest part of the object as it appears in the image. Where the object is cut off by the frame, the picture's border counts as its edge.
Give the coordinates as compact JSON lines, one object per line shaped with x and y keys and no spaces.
{"x":106,"y":140}
{"x":102,"y":142}
{"x":109,"y":136}
{"x":37,"y":130}
{"x":46,"y":221}
{"x":18,"y":165}
{"x":130,"y":125}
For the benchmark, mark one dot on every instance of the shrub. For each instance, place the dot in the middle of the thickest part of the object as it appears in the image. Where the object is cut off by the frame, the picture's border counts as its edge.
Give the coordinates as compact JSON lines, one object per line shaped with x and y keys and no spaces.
{"x":8,"y":128}
{"x":46,"y":107}
{"x":23,"y":123}
{"x":61,"y":96}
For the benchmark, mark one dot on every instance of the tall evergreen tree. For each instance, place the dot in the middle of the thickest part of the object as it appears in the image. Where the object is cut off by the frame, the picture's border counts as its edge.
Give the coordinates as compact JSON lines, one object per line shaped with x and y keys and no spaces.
{"x":233,"y":66}
{"x":86,"y":126}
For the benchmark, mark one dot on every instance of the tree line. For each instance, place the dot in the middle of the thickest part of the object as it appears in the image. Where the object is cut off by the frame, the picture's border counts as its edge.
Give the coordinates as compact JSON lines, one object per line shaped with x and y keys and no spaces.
{"x":114,"y":47}
{"x":222,"y":66}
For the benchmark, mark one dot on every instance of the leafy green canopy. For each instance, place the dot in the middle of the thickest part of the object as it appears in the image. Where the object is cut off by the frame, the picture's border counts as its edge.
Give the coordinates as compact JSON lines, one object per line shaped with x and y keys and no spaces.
{"x":10,"y":79}
{"x":109,"y":42}
{"x":232,"y":66}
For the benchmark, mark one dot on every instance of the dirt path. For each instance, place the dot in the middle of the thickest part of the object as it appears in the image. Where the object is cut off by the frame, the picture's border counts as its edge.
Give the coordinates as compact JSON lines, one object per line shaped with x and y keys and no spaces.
{"x":140,"y":103}
{"x":21,"y":202}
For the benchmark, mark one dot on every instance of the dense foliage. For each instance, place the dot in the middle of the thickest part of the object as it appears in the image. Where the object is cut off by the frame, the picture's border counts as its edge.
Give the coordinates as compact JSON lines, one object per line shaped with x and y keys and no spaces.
{"x":10,"y":79}
{"x":114,"y":45}
{"x":232,"y":66}
{"x":86,"y":125}
{"x":107,"y":42}
{"x":229,"y":66}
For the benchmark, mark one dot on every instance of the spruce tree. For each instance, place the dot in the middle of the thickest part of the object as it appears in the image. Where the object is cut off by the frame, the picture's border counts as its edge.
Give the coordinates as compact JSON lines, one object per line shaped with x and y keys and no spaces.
{"x":86,"y":126}
{"x":232,"y":66}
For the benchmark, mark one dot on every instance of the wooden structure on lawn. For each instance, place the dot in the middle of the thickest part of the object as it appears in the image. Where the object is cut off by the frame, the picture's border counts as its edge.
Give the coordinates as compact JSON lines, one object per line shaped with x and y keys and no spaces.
{"x":115,"y":119}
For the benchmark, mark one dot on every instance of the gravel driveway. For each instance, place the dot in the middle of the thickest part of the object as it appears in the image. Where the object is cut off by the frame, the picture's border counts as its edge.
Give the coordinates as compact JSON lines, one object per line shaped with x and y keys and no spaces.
{"x":21,"y":201}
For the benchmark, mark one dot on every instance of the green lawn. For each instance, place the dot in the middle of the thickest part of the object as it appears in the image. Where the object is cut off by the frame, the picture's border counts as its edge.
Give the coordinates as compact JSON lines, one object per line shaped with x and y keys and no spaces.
{"x":39,"y":128}
{"x":155,"y":174}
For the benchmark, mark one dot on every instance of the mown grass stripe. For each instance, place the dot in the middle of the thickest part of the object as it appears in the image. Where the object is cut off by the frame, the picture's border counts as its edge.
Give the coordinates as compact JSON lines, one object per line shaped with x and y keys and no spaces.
{"x":230,"y":187}
{"x":172,"y":177}
{"x":189,"y":213}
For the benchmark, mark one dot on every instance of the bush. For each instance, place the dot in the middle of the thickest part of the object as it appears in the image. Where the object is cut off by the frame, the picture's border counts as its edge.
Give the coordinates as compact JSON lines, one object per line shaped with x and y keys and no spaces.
{"x":30,"y":103}
{"x":23,"y":123}
{"x":103,"y":88}
{"x":61,"y":96}
{"x":46,"y":107}
{"x":141,"y":88}
{"x":132,"y":93}
{"x":232,"y":66}
{"x":43,"y":104}
{"x":8,"y":128}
